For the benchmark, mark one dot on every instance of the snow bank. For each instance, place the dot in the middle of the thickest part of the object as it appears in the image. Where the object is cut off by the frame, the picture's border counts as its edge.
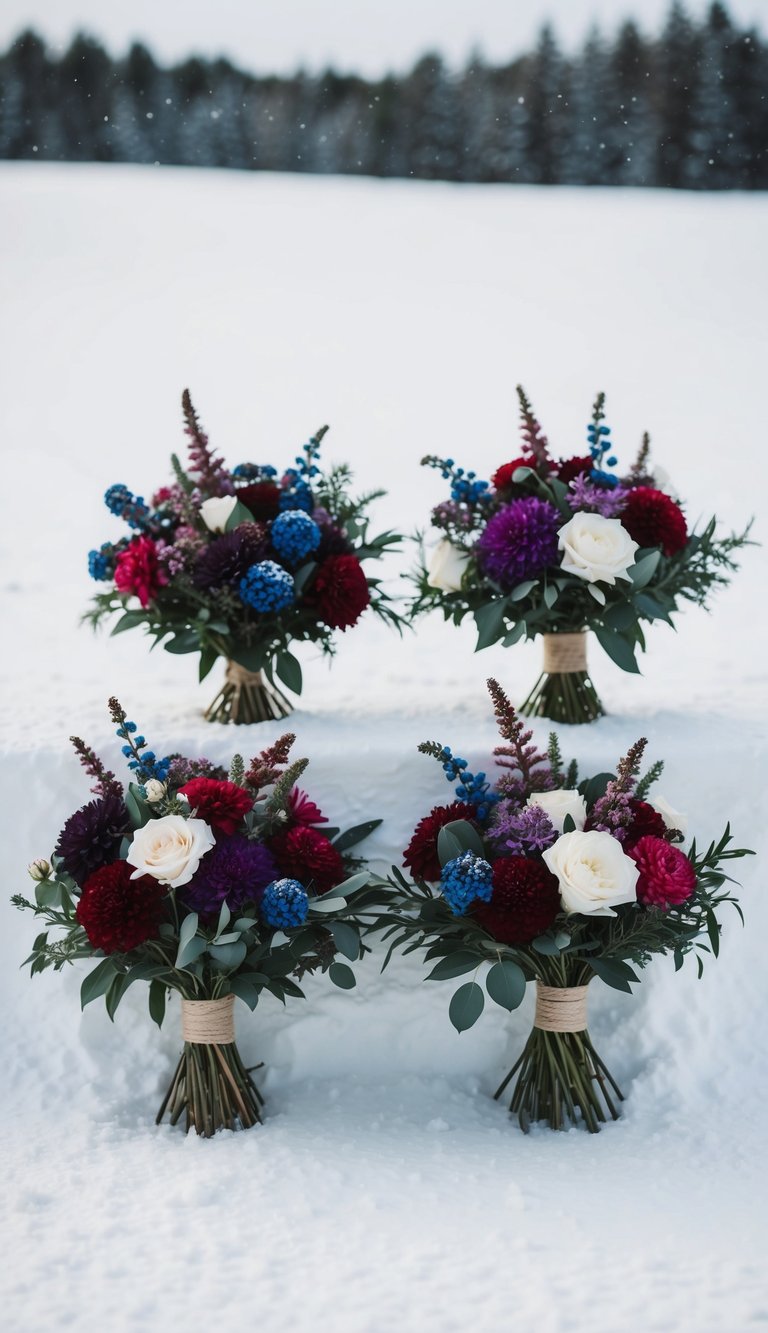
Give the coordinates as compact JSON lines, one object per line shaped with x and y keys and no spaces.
{"x":386,"y":1187}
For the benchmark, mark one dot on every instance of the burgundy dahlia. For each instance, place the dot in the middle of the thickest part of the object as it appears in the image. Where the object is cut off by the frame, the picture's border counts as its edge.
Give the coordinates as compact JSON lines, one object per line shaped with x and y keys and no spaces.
{"x":524,"y":902}
{"x":667,"y":877}
{"x":228,"y":558}
{"x":421,"y":853}
{"x":341,"y":591}
{"x":118,"y":913}
{"x":304,"y":854}
{"x":262,"y":498}
{"x":236,"y":871}
{"x":645,"y":822}
{"x":569,"y":468}
{"x":223,"y":805}
{"x":519,"y":541}
{"x":653,"y":519}
{"x":502,"y":477}
{"x":91,"y":837}
{"x":138,"y":571}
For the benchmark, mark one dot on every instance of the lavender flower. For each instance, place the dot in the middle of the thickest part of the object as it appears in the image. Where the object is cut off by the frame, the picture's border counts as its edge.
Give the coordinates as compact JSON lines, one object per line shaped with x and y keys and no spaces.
{"x":182,"y":770}
{"x":235,"y":871}
{"x":519,"y":541}
{"x":587,"y":497}
{"x":452,"y":517}
{"x":520,"y":831}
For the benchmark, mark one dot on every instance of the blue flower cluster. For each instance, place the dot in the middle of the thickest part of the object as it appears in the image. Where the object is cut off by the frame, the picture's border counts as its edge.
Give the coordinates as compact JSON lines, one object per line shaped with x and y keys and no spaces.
{"x":296,"y":493}
{"x":146,"y":765}
{"x":253,"y":472}
{"x":294,"y":535}
{"x":267,"y":587}
{"x":101,"y":563}
{"x":124,"y":504}
{"x":466,"y":488}
{"x":473,"y":788}
{"x":285,"y":904}
{"x":466,"y":879}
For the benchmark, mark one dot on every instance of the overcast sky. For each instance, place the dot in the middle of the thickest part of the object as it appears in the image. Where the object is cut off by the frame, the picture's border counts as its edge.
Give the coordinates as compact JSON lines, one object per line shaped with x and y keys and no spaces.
{"x":365,"y":35}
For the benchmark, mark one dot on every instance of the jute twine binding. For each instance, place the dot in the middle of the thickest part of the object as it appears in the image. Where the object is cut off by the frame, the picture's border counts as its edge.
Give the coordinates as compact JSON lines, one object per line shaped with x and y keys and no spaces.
{"x":561,"y":1008}
{"x":564,"y":653}
{"x":208,"y":1022}
{"x":238,"y":676}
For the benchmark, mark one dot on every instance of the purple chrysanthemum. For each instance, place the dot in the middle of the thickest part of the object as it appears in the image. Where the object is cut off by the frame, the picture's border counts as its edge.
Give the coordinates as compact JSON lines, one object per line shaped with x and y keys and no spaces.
{"x":91,"y":837}
{"x":230,"y":556}
{"x":520,"y":541}
{"x":236,"y":870}
{"x":520,"y":831}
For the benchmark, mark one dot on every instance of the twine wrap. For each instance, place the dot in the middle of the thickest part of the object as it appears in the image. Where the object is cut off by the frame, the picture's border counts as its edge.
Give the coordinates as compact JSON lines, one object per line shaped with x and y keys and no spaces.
{"x":239,"y":676}
{"x":208,"y":1022}
{"x":564,"y":653}
{"x":561,"y":1008}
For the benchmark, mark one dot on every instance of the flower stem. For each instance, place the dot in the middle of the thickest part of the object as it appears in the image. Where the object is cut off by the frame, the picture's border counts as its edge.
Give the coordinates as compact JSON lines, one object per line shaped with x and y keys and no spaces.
{"x":561,"y":1080}
{"x":567,"y":696}
{"x":212,"y":1089}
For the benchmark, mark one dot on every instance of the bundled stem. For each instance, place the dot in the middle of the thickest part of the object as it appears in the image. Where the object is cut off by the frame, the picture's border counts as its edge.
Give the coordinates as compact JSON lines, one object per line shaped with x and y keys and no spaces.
{"x":212,"y":1089}
{"x":562,"y":1080}
{"x":247,"y":697}
{"x":564,"y":697}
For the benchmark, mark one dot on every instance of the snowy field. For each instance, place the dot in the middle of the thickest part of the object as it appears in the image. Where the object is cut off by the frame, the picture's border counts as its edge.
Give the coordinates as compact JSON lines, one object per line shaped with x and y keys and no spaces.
{"x":386,"y":1189}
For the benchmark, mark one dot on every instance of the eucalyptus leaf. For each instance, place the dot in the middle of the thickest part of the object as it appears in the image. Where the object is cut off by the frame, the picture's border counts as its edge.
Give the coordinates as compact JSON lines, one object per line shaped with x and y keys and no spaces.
{"x":466,"y":1006}
{"x":644,"y":569}
{"x":454,"y":965}
{"x":187,"y":931}
{"x":347,"y":939}
{"x":490,"y":624}
{"x":342,"y":976}
{"x":618,"y":648}
{"x":288,"y":668}
{"x":352,"y":836}
{"x":505,"y":983}
{"x":97,"y":982}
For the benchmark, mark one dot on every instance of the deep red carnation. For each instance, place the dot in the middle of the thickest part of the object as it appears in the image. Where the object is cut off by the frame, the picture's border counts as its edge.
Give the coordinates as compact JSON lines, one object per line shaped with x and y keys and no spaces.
{"x":568,"y":468}
{"x":261,"y":497}
{"x":646,"y":822}
{"x":524,"y":902}
{"x":667,"y":877}
{"x":502,"y":477}
{"x":223,"y":805}
{"x":137,"y":570}
{"x":118,"y":913}
{"x":421,"y":853}
{"x":653,"y":519}
{"x":308,"y":856}
{"x":341,"y":591}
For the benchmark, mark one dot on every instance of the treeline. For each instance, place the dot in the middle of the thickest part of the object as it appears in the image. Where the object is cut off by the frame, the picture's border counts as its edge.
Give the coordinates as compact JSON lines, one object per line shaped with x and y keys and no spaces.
{"x":686,"y":109}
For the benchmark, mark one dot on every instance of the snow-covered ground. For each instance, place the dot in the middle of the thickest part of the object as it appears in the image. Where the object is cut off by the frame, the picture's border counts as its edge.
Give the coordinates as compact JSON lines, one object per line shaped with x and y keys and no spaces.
{"x":386,"y":1187}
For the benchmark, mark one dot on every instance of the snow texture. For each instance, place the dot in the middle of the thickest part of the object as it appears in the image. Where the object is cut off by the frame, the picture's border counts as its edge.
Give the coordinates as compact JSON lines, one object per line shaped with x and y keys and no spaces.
{"x":386,"y":1188}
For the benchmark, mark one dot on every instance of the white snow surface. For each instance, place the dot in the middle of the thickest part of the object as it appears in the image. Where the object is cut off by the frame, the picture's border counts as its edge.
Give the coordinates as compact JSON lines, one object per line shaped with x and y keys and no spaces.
{"x":386,"y":1187}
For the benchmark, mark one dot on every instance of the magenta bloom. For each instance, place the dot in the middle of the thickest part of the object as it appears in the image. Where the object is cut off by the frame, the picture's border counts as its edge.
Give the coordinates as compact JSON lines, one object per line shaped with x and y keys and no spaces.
{"x":519,"y":542}
{"x":667,"y":877}
{"x":302,"y":809}
{"x":137,"y":570}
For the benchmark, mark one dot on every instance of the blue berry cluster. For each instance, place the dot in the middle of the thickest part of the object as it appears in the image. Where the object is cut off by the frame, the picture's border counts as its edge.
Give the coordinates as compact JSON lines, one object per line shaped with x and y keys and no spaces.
{"x":284,"y":904}
{"x":473,"y":788}
{"x":267,"y":587}
{"x":253,"y":472}
{"x":145,"y":765}
{"x":466,"y":488}
{"x":598,"y":439}
{"x":124,"y":504}
{"x":466,"y":879}
{"x":294,"y":535}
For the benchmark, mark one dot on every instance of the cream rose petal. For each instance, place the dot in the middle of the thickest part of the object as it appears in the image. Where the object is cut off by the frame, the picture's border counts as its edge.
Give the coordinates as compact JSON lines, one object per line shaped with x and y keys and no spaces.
{"x":447,"y":567}
{"x":170,"y":849}
{"x":557,"y":804}
{"x":596,"y":549}
{"x":594,"y":873}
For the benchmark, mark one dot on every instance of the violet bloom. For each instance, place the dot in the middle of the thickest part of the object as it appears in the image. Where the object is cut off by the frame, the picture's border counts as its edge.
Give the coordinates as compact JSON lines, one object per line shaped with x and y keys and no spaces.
{"x":236,"y":871}
{"x":586,"y":497}
{"x":519,"y":541}
{"x":521,"y":831}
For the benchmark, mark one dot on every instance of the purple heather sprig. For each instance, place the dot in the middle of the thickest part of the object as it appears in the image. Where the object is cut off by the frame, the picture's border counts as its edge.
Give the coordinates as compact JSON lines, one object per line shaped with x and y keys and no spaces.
{"x":534,"y":439}
{"x":586,"y":496}
{"x":518,"y":755}
{"x":612,"y":812}
{"x":106,"y":783}
{"x":205,"y":466}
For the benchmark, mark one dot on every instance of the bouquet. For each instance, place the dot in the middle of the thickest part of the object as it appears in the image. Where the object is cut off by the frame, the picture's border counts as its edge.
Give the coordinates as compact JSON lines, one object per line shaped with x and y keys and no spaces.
{"x":217,"y":886}
{"x":240,"y":564}
{"x":542,"y":877}
{"x":560,"y":547}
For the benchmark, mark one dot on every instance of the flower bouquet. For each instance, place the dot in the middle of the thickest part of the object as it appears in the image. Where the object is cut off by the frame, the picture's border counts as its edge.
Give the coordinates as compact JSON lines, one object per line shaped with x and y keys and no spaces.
{"x":539,"y":877}
{"x":215,"y":886}
{"x":560,"y":547}
{"x":240,"y":564}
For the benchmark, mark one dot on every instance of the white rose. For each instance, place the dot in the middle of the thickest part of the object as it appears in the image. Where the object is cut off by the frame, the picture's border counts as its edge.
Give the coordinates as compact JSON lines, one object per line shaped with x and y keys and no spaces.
{"x":597,"y":549}
{"x":672,"y":817}
{"x":154,"y":790}
{"x":446,"y":567}
{"x":170,"y":849}
{"x":216,"y":511}
{"x":593,"y":872}
{"x":558,"y":804}
{"x":663,"y":482}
